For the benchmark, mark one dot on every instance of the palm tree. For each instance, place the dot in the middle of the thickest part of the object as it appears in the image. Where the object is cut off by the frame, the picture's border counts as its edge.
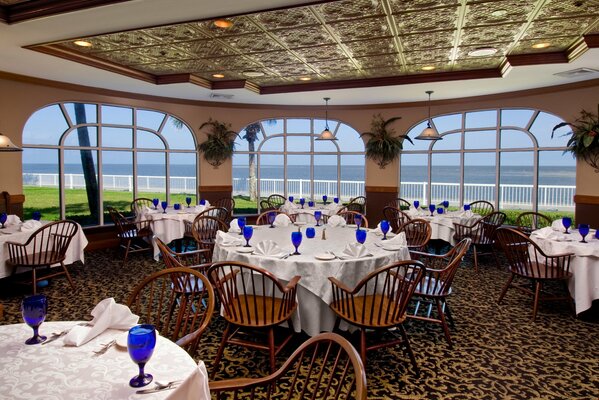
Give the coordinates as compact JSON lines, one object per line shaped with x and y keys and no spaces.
{"x":87,"y":162}
{"x":251,"y":135}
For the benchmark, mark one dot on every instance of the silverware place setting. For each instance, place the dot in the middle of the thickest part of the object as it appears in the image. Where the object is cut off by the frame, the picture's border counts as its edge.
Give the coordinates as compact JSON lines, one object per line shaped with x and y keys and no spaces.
{"x":159,"y":386}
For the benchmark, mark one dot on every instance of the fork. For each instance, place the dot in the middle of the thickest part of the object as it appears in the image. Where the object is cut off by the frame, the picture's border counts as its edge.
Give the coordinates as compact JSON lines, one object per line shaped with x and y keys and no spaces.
{"x":58,"y":335}
{"x":105,"y":348}
{"x":160,"y":386}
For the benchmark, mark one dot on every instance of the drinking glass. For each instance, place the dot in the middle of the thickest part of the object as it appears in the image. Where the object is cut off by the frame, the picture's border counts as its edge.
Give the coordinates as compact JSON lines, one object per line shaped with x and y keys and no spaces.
{"x":248,"y":231}
{"x":140,"y":344}
{"x":241,"y":223}
{"x":155,"y":202}
{"x":271,"y":218}
{"x":466,"y":207}
{"x":597,"y":233}
{"x":440,"y":210}
{"x":296,"y":240}
{"x":36,"y":215}
{"x":310,"y":232}
{"x":310,"y":203}
{"x":177,"y":206}
{"x":416,"y":204}
{"x":567,"y":222}
{"x":431,"y":208}
{"x":302,"y":202}
{"x":202,"y":202}
{"x":34,"y":309}
{"x":384,"y":228}
{"x":361,"y":236}
{"x":445,"y":204}
{"x":164,"y":205}
{"x":291,"y":199}
{"x":358,"y":220}
{"x":583,"y":229}
{"x":324,"y":199}
{"x":317,"y":217}
{"x":3,"y":218}
{"x":336,"y":200}
{"x":188,"y":201}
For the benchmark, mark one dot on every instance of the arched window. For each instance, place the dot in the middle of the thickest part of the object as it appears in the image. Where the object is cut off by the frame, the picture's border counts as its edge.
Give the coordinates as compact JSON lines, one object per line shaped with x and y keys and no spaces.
{"x":79,"y":158}
{"x":282,"y":156}
{"x":505,"y":156}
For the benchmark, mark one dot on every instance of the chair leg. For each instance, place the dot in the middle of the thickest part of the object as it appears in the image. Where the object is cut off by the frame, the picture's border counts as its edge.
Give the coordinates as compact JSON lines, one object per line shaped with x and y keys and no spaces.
{"x":66,"y":271}
{"x":448,"y":315}
{"x":443,"y":322}
{"x":271,"y":349}
{"x":406,"y":342}
{"x":336,"y":326}
{"x":221,"y":349}
{"x":535,"y":306}
{"x":126,"y":252}
{"x":475,"y":259}
{"x":363,"y":345}
{"x":505,"y":288}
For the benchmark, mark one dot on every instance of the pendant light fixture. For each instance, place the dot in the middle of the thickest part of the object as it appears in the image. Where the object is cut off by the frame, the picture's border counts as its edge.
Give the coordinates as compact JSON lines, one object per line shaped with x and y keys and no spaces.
{"x":326,"y":134}
{"x":429,"y":133}
{"x":7,"y":145}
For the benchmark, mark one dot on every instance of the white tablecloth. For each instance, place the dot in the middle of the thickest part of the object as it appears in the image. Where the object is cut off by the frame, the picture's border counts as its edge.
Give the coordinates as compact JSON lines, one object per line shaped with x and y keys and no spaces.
{"x":314,"y":288}
{"x":53,"y":371}
{"x":442,"y":224}
{"x":12,"y":233}
{"x":584,"y":285}
{"x":306,"y":214}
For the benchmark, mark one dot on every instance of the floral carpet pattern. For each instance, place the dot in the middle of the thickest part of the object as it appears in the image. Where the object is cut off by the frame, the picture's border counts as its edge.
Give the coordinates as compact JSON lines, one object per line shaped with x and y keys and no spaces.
{"x":498,"y":352}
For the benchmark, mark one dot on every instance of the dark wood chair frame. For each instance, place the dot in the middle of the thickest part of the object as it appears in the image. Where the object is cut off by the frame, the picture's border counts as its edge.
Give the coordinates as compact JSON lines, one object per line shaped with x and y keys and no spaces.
{"x":263,"y":218}
{"x":418,"y":232}
{"x":400,"y":203}
{"x":349,"y":217}
{"x":228,"y":203}
{"x":134,"y":235}
{"x":482,"y":233}
{"x":204,"y":230}
{"x":531,"y":221}
{"x":482,"y":207}
{"x":216,"y":212}
{"x":138,"y":204}
{"x":395,"y":217}
{"x":276,"y":201}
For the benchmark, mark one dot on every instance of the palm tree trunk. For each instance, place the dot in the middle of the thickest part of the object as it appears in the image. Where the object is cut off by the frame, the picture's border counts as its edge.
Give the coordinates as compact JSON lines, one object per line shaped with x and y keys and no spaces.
{"x":87,"y":162}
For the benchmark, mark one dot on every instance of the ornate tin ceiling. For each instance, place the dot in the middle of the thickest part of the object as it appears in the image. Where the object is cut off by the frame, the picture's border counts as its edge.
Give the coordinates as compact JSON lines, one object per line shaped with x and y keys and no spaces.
{"x":347,"y":43}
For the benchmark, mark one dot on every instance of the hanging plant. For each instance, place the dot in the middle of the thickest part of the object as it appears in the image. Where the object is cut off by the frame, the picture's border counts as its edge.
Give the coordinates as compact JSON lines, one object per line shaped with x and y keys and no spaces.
{"x":584,"y":138}
{"x":383,"y":146}
{"x":220,"y":143}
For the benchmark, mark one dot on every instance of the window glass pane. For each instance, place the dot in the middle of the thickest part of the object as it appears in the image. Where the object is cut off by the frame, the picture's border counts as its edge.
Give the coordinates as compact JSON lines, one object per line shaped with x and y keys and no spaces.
{"x":177,"y":135}
{"x":80,"y":113}
{"x":148,"y":140}
{"x":245,"y":183}
{"x":298,"y":125}
{"x":272,"y":175}
{"x":557,"y":182}
{"x":516,"y":182}
{"x":479,"y":177}
{"x":418,"y":144}
{"x":352,"y":176}
{"x":250,"y":137}
{"x":182,"y":177}
{"x":298,"y":143}
{"x":117,"y":137}
{"x":274,"y":126}
{"x":298,"y":176}
{"x":414,"y":177}
{"x":325,"y":146}
{"x":349,"y":138}
{"x":452,"y":141}
{"x":480,"y":140}
{"x":83,"y":136}
{"x":151,"y":173}
{"x":515,"y":117}
{"x":445,"y":179}
{"x":45,"y":126}
{"x":117,"y":115}
{"x":542,"y":128}
{"x":446,"y":123}
{"x":149,"y":119}
{"x":511,"y":138}
{"x":81,"y":186}
{"x":273,"y":144}
{"x":40,"y":183}
{"x":481,"y":119}
{"x":325,"y":176}
{"x":117,"y":178}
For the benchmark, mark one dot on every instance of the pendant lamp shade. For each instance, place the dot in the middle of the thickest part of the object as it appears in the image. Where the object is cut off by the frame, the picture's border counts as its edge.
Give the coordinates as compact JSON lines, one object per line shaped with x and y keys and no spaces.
{"x":7,"y":145}
{"x":429,"y":133}
{"x":326,"y":134}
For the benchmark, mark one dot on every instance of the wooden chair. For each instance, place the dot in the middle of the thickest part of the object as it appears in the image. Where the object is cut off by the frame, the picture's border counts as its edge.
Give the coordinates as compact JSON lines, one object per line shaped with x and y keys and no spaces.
{"x":197,"y":259}
{"x":400,"y":203}
{"x":396,"y":217}
{"x":204,"y":230}
{"x":361,"y":200}
{"x":45,"y":247}
{"x":436,"y":283}
{"x":418,"y":232}
{"x":134,"y":236}
{"x":265,"y":206}
{"x":263,"y":218}
{"x":482,"y":208}
{"x":531,"y":221}
{"x":527,"y":260}
{"x":482,"y":233}
{"x":276,"y":201}
{"x":355,"y":207}
{"x":379,"y":302}
{"x":252,"y":298}
{"x":178,"y":301}
{"x":324,"y":367}
{"x":216,"y":212}
{"x":228,"y":204}
{"x":349,"y":217}
{"x":138,"y":205}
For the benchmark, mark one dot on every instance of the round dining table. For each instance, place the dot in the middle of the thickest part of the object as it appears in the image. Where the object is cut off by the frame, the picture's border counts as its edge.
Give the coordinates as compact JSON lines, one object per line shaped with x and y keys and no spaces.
{"x":442,"y":227}
{"x":306,"y":213}
{"x":53,"y":371}
{"x":314,"y":289}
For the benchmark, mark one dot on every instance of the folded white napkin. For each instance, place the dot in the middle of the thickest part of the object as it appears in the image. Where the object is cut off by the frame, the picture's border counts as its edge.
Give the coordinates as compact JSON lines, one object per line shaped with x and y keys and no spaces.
{"x":226,"y":240}
{"x":395,"y":243}
{"x":412,"y":211}
{"x":12,"y":219}
{"x":336,"y":220}
{"x":545,"y":233}
{"x":269,"y":248}
{"x":199,"y":208}
{"x":290,"y":205}
{"x":377,"y":231}
{"x":558,"y":225}
{"x":195,"y":386}
{"x":331,"y":206}
{"x":234,"y":226}
{"x":107,"y":315}
{"x":30,"y":225}
{"x":282,"y":220}
{"x":353,"y":250}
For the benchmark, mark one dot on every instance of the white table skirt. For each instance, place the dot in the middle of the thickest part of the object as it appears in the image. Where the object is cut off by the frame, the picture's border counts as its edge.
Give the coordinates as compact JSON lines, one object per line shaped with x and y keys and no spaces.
{"x":306,"y":214}
{"x":584,"y":285}
{"x":12,"y":233}
{"x":53,"y":371}
{"x":314,"y":288}
{"x":442,"y":225}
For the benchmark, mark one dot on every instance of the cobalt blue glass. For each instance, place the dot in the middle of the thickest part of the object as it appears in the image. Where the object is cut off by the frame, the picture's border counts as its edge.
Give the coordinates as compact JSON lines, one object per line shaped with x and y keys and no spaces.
{"x":155,"y":202}
{"x":445,"y":204}
{"x":177,"y":206}
{"x":34,"y":309}
{"x":358,"y":220}
{"x":466,"y":207}
{"x":336,"y":200}
{"x":271,"y":218}
{"x":310,"y":232}
{"x":202,"y":202}
{"x":36,"y":215}
{"x":384,"y":228}
{"x":431,"y":208}
{"x":248,"y":231}
{"x":597,"y":233}
{"x":188,"y":201}
{"x":440,"y":210}
{"x":361,"y":236}
{"x":302,"y":202}
{"x":296,"y":240}
{"x":310,"y":204}
{"x":324,"y":199}
{"x":241,"y":223}
{"x":416,"y":204}
{"x":291,"y":199}
{"x":140,"y":344}
{"x":567,"y":222}
{"x":583,"y":229}
{"x":317,"y":217}
{"x":3,"y":218}
{"x":164,"y":205}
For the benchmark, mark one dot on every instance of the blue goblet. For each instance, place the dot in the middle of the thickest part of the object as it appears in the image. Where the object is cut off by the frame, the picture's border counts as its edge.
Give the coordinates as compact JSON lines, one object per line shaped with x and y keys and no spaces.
{"x":34,"y":309}
{"x":155,"y":202}
{"x":567,"y":222}
{"x":248,"y":231}
{"x":241,"y":223}
{"x":3,"y":218}
{"x":291,"y":199}
{"x":324,"y":199}
{"x":271,"y":218}
{"x":431,"y":208}
{"x":177,"y":206}
{"x":466,"y":207}
{"x":36,"y":215}
{"x":336,"y":200}
{"x":296,"y":240}
{"x":188,"y":201}
{"x":445,"y":204}
{"x":310,"y":232}
{"x":416,"y":204}
{"x":597,"y":233}
{"x":202,"y":202}
{"x":302,"y":202}
{"x":440,"y":210}
{"x":310,"y":204}
{"x":583,"y":229}
{"x":317,"y":217}
{"x":140,"y":344}
{"x":361,"y":236}
{"x":385,"y":228}
{"x":164,"y":205}
{"x":358,"y":220}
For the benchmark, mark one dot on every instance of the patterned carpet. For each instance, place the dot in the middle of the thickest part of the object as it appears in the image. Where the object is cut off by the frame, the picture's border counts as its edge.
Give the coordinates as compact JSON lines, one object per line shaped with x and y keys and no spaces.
{"x":498,"y":352}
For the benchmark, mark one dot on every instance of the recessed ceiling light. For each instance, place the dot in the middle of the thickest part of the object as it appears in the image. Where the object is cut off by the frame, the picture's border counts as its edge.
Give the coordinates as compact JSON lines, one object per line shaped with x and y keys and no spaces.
{"x":428,"y":68}
{"x":82,"y":43}
{"x":501,"y":12}
{"x":218,"y":76}
{"x":253,"y":74}
{"x":482,"y":52}
{"x":305,"y":78}
{"x":541,"y":45}
{"x":223,"y":23}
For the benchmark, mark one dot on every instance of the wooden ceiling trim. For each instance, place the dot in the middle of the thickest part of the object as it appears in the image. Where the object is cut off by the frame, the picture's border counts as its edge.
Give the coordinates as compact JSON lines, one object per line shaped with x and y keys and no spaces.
{"x":592,"y":41}
{"x":557,"y":57}
{"x":42,"y":8}
{"x":3,"y":14}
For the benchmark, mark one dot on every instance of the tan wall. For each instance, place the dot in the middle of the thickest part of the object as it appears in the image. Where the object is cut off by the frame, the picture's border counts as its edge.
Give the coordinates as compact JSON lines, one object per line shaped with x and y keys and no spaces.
{"x":21,"y":96}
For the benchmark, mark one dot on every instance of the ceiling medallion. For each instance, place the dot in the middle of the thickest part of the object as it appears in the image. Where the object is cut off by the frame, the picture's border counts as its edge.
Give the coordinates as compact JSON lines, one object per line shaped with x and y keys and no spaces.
{"x":543,"y":45}
{"x":82,"y":43}
{"x":219,"y":76}
{"x":253,"y":74}
{"x":482,"y":52}
{"x":223,"y":23}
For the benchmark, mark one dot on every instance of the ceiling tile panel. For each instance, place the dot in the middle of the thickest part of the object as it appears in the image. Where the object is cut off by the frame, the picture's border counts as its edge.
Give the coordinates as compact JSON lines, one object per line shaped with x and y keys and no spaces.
{"x":427,"y":41}
{"x":502,"y":49}
{"x":430,"y":56}
{"x":490,"y":34}
{"x":127,"y":40}
{"x":412,"y":22}
{"x":333,"y":67}
{"x":557,"y":44}
{"x":241,"y":26}
{"x":285,"y":19}
{"x":561,"y":27}
{"x":175,"y":33}
{"x":383,"y":60}
{"x":159,"y":68}
{"x":275,"y":58}
{"x":292,"y":69}
{"x":381,"y":72}
{"x":361,"y":29}
{"x":205,"y":48}
{"x":569,"y":8}
{"x":417,"y":68}
{"x":478,"y":63}
{"x":400,"y":6}
{"x":497,"y":12}
{"x":128,"y":57}
{"x":310,"y":36}
{"x":349,"y":9}
{"x":371,"y":47}
{"x":232,"y":63}
{"x":321,"y":53}
{"x":252,"y":43}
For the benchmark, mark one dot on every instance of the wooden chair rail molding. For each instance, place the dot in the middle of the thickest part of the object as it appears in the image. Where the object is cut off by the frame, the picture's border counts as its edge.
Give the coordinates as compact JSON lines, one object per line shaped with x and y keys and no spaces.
{"x":586,"y":199}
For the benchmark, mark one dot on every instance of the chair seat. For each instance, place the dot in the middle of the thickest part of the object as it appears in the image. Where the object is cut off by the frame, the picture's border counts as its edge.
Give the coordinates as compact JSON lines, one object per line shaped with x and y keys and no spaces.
{"x":377,"y":309}
{"x":133,"y":233}
{"x":540,"y":271}
{"x":429,"y":286}
{"x":259,"y":309}
{"x":37,"y":259}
